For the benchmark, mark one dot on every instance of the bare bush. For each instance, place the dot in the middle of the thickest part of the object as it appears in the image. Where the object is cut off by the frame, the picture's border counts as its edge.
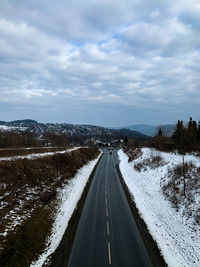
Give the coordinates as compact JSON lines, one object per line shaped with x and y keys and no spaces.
{"x":173,"y":189}
{"x":139,"y":166}
{"x":153,"y":162}
{"x":133,"y":153}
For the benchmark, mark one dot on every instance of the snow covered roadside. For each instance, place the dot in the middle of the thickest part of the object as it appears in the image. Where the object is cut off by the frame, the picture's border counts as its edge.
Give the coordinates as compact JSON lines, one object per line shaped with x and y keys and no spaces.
{"x":39,"y":155}
{"x":177,"y":237}
{"x":69,"y":197}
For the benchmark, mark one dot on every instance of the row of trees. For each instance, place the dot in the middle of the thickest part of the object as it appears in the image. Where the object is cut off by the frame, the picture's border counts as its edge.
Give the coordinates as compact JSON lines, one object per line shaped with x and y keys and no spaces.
{"x":56,"y":139}
{"x":14,"y":139}
{"x":29,"y":139}
{"x":185,"y":138}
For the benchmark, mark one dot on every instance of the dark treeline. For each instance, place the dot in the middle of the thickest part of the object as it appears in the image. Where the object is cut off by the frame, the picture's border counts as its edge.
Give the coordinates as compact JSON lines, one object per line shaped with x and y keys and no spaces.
{"x":29,"y":139}
{"x":55,"y":138}
{"x":17,"y":139}
{"x":186,"y":138}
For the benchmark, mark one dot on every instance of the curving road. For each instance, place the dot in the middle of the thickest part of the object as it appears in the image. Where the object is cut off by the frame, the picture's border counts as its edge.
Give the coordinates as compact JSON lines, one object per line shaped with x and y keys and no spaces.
{"x":107,"y":234}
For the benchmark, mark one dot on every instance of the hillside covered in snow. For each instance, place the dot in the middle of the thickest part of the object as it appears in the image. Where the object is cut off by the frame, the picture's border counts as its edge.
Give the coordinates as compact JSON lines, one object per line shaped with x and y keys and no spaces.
{"x":155,"y":180}
{"x":70,"y":130}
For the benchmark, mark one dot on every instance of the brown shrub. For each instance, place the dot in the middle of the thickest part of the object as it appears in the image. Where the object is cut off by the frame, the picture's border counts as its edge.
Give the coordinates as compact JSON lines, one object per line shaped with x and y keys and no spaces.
{"x":132,"y":153}
{"x":153,"y":162}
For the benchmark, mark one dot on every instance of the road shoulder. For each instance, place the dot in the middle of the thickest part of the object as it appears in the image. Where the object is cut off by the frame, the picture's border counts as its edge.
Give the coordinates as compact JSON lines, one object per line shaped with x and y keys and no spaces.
{"x":150,"y":244}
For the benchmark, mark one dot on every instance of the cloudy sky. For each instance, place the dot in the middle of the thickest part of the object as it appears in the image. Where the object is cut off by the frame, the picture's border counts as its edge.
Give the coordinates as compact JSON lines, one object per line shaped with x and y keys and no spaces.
{"x":103,"y":62}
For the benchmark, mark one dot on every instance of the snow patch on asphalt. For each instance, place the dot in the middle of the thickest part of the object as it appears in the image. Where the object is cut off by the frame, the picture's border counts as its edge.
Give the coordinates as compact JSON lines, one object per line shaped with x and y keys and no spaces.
{"x":177,"y":237}
{"x":68,"y":198}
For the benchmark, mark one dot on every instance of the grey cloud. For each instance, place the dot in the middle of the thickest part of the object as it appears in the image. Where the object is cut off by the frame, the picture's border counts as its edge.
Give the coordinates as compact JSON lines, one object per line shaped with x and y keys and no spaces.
{"x":127,"y":53}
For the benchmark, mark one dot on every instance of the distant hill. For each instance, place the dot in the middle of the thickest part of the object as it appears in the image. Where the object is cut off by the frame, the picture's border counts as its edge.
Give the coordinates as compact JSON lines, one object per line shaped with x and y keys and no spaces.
{"x":151,"y":130}
{"x":129,"y":133}
{"x":78,"y":131}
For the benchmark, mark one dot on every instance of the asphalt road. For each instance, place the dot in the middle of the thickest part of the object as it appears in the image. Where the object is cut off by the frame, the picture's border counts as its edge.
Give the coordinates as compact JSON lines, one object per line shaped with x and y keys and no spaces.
{"x":107,"y":234}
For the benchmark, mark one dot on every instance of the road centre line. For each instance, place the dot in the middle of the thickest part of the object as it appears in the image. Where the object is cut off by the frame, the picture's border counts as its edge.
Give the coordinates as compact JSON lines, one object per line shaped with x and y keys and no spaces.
{"x":108,"y":232}
{"x":109,"y":253}
{"x":106,"y":201}
{"x":106,"y":211}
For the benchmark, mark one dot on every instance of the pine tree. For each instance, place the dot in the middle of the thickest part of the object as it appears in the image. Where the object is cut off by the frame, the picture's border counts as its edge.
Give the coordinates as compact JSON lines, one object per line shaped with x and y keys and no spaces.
{"x":198,"y":132}
{"x":178,"y":133}
{"x":191,"y":135}
{"x":190,"y":123}
{"x":160,"y":133}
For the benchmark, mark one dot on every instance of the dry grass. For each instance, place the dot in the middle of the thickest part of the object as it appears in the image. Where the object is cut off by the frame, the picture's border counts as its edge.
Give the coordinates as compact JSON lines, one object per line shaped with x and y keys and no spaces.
{"x":132,"y":153}
{"x":153,"y":162}
{"x":28,"y":238}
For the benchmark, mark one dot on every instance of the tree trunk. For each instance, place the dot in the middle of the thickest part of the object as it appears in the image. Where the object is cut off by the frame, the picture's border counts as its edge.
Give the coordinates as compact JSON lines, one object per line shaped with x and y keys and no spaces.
{"x":183,"y":177}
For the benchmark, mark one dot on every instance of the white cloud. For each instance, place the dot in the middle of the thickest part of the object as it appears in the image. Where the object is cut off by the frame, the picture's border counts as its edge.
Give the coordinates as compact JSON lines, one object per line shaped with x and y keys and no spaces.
{"x":127,"y":52}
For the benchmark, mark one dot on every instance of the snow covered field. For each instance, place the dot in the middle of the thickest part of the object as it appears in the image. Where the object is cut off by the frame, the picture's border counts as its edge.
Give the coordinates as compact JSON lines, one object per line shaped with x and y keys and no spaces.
{"x":69,"y":197}
{"x":39,"y":155}
{"x":177,"y":236}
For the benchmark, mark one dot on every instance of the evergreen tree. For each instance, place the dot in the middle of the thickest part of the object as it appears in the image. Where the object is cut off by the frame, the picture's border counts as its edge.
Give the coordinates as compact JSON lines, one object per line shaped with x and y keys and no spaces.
{"x":198,"y":132}
{"x":160,"y":140}
{"x":178,"y":133}
{"x":126,"y":139}
{"x":194,"y":126}
{"x":190,"y":123}
{"x":160,"y":133}
{"x":191,"y":135}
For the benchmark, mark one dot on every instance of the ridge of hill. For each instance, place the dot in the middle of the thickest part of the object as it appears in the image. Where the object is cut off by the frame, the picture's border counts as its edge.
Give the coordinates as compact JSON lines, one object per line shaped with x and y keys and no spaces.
{"x":151,"y":130}
{"x":71,"y":130}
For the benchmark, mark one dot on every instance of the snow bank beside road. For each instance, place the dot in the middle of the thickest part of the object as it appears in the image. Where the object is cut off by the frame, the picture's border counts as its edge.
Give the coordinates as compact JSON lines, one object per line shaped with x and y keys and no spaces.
{"x":177,"y":238}
{"x":69,"y":197}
